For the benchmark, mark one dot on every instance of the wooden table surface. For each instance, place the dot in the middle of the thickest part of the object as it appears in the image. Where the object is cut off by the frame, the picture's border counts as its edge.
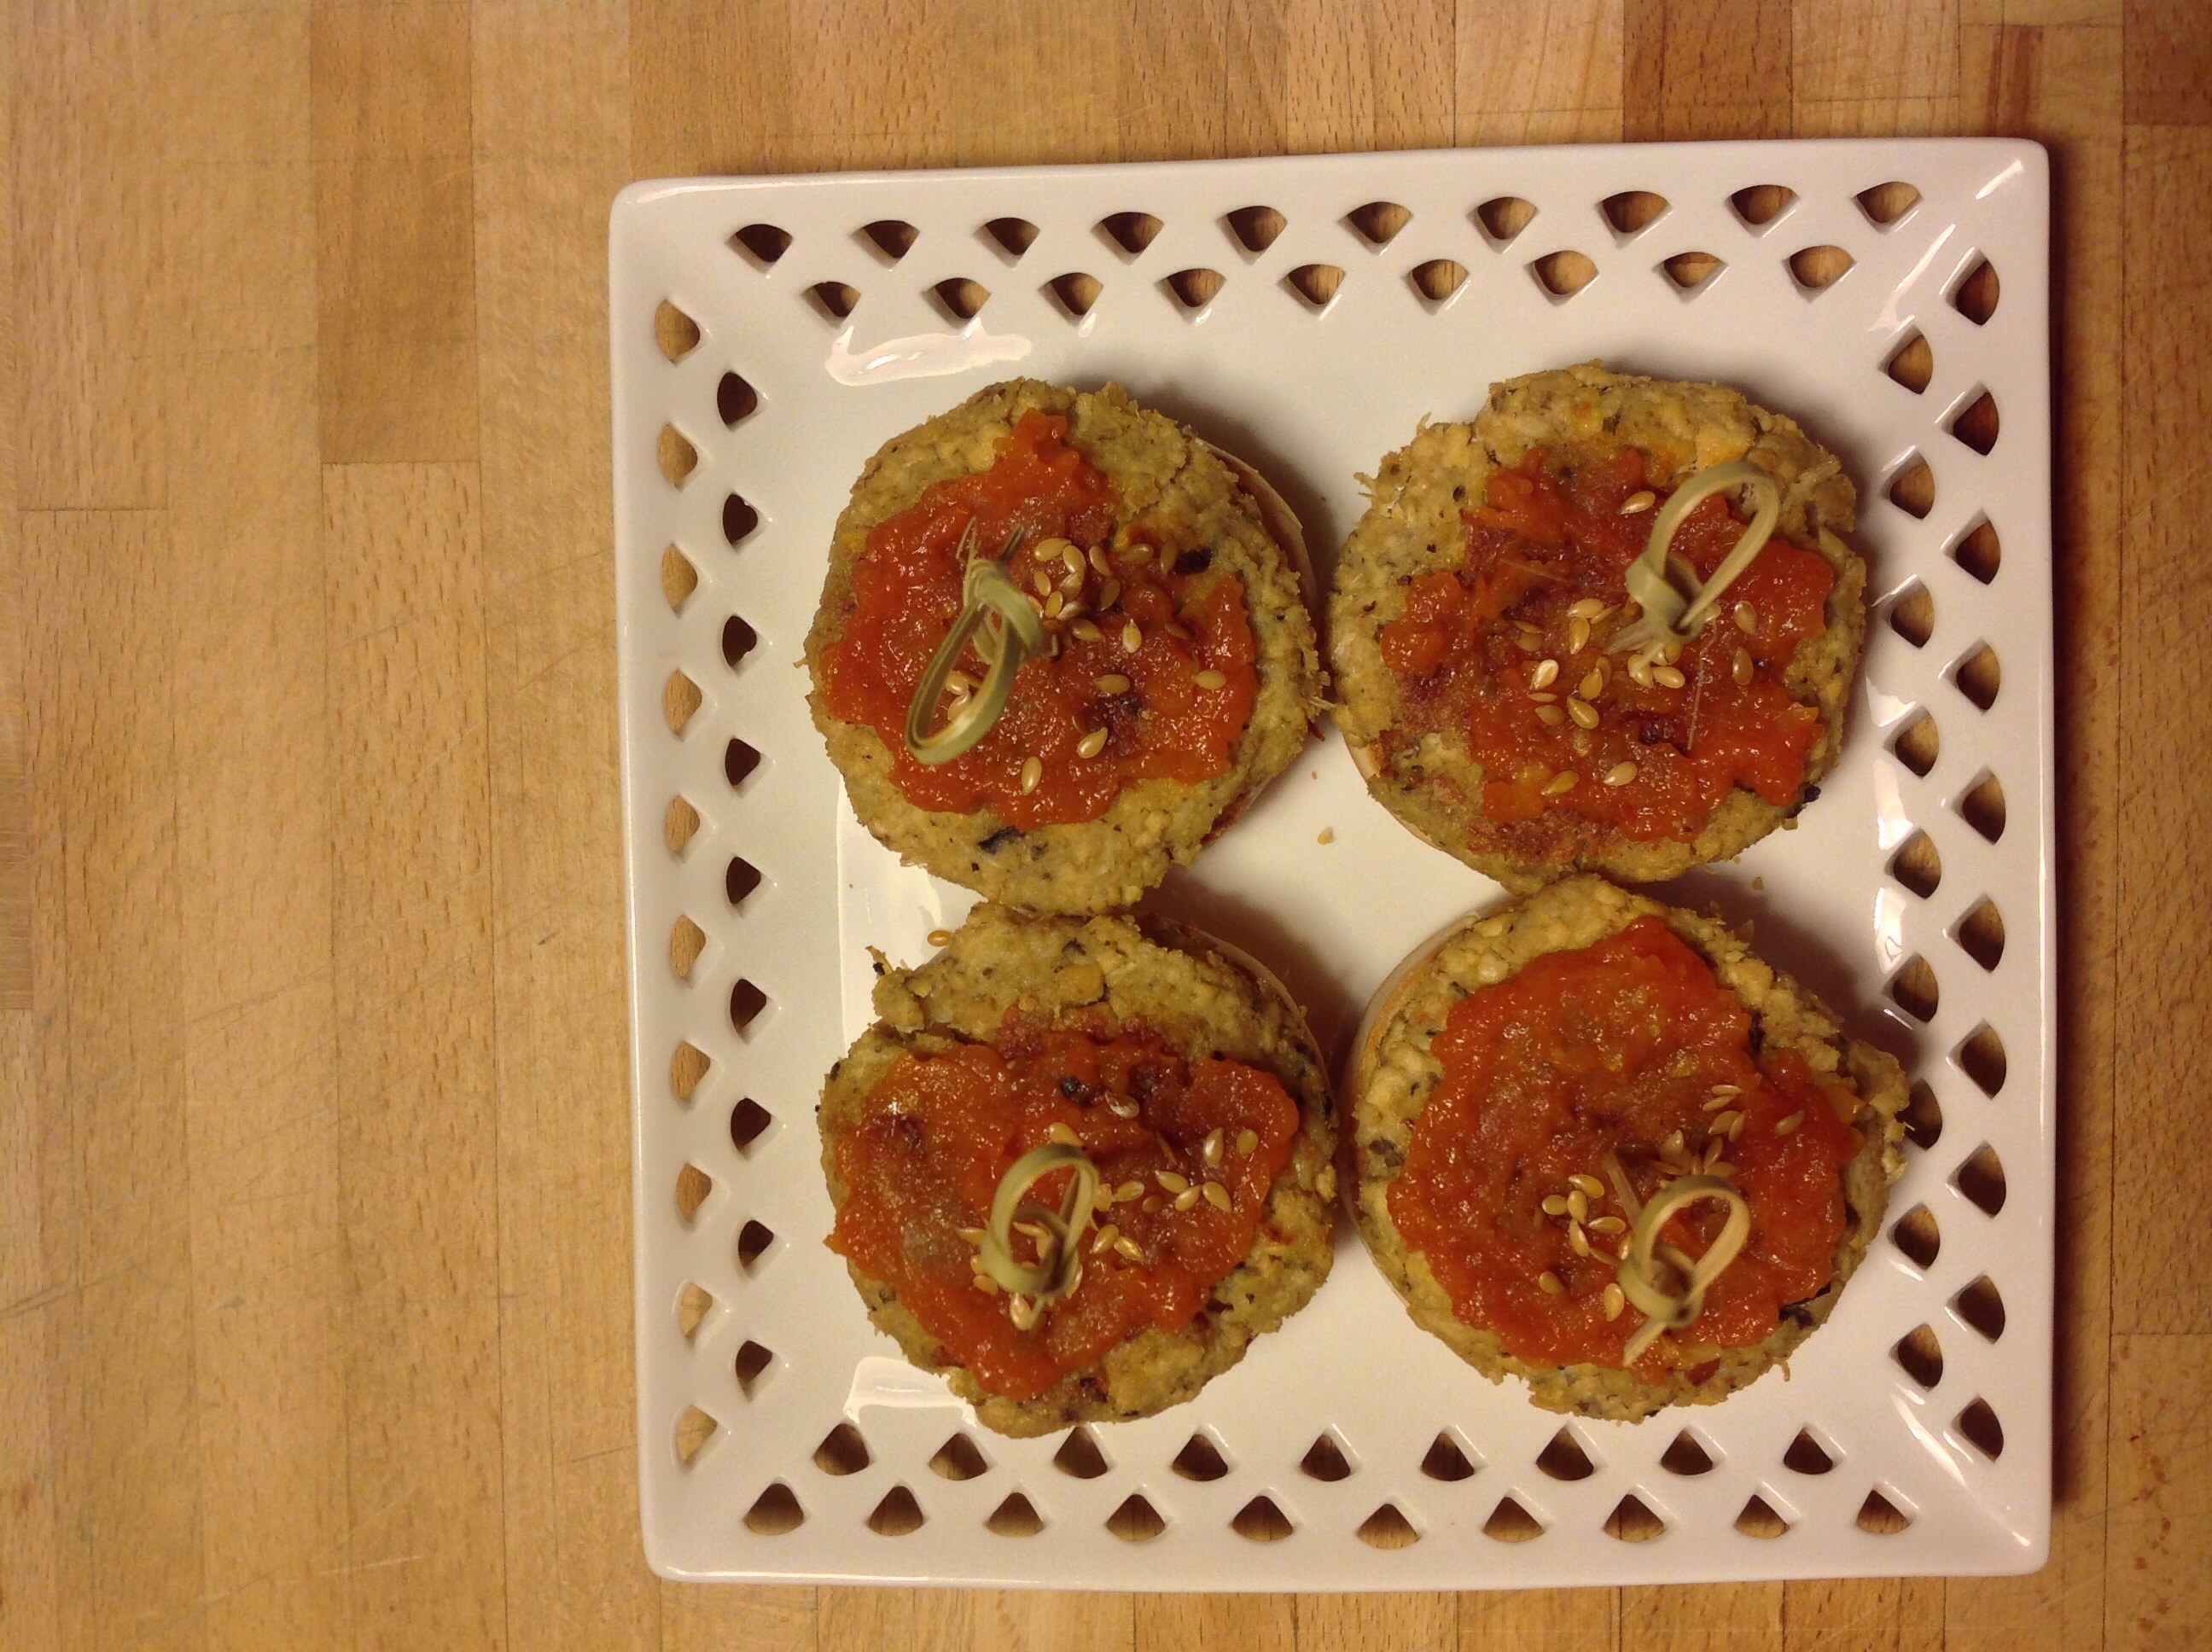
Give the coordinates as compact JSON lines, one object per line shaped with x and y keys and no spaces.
{"x":314,"y":1216}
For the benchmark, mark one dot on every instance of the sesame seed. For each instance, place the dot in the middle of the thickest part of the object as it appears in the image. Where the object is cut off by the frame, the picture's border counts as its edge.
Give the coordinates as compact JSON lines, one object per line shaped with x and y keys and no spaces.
{"x":1181,"y":634}
{"x":1186,"y":1199}
{"x":1579,"y":1206}
{"x":1642,"y":501}
{"x":1210,"y":680}
{"x":1672,"y":1143}
{"x":1139,"y":552}
{"x":1048,"y":551}
{"x":1085,"y":631}
{"x":1669,"y":653}
{"x":1152,"y":1206}
{"x":1110,"y":594}
{"x":1615,"y":1300}
{"x":1129,"y":1247}
{"x":1217,"y":1195}
{"x":960,"y":683}
{"x":1021,"y":1311}
{"x":1667,"y":677}
{"x":1130,"y":1191}
{"x":1547,"y":673}
{"x":985,"y":1283}
{"x":1326,"y":837}
{"x":1132,"y":638}
{"x":1247,"y":1141}
{"x":1740,"y":668}
{"x":1553,"y":1286}
{"x":1747,"y":619}
{"x":973,"y":1235}
{"x":1589,"y":1184}
{"x":1787,"y":1126}
{"x":1029,"y":1231}
{"x":1555,"y":1205}
{"x":1720,"y":1167}
{"x":1712,"y":1151}
{"x":1068,"y":613}
{"x":1544,"y":699}
{"x":1064,"y":1135}
{"x":1053,"y":604}
{"x":1091,"y":743}
{"x":1640,"y":672}
{"x":1073,"y":557}
{"x":1583,"y":713}
{"x":1561,"y":783}
{"x":1607,"y":1224}
{"x":1577,"y":1240}
{"x":940,"y":938}
{"x":1587,"y":608}
{"x":1727,"y":1090}
{"x":1530,"y":642}
{"x":1042,"y":582}
{"x":1112,"y":683}
{"x":1172,"y":1181}
{"x":1578,"y":635}
{"x":1099,"y":561}
{"x":1593,"y":684}
{"x":1104,"y":1242}
{"x":1736,"y":1127}
{"x":1032,"y":772}
{"x":1550,"y":716}
{"x":1210,"y":1148}
{"x":1620,"y":774}
{"x":1722,"y":1120}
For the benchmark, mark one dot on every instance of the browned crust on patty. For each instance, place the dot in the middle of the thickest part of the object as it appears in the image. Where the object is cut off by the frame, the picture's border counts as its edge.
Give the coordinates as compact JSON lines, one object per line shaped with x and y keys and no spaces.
{"x":1206,"y":998}
{"x":1166,"y":478}
{"x":1411,"y":526}
{"x":1392,"y":1075}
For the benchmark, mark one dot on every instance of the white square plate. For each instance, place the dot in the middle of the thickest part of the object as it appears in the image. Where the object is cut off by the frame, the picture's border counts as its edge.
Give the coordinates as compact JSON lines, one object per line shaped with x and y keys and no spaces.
{"x":747,"y":1327}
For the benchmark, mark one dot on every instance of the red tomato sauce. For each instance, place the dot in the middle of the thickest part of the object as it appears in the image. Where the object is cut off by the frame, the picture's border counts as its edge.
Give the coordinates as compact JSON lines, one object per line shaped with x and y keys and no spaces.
{"x":1612,"y":1049}
{"x":942,"y":1131}
{"x":1472,"y":642}
{"x":1160,"y":721}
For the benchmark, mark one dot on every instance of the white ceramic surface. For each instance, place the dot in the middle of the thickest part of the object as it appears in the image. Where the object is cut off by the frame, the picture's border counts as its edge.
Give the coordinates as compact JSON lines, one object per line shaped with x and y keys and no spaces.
{"x":1313,"y":397}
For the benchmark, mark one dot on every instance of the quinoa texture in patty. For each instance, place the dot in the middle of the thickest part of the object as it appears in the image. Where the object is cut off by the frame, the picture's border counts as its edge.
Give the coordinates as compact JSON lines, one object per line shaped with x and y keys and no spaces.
{"x":1414,"y":526}
{"x":1394,"y":1074}
{"x":1169,"y":490}
{"x":1205,"y":1001}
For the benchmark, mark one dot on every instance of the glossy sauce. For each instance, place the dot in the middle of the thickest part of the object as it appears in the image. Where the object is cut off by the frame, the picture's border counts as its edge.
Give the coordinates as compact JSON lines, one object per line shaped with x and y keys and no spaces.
{"x":942,"y":1132}
{"x":1611,"y":1049}
{"x":1164,"y":724}
{"x":1470,"y":644}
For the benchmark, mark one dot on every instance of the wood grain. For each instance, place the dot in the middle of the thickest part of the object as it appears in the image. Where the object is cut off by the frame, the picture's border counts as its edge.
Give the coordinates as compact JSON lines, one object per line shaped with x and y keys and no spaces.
{"x":1700,"y":69}
{"x":2161,"y":1593}
{"x":314,"y":1282}
{"x":395,"y":245}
